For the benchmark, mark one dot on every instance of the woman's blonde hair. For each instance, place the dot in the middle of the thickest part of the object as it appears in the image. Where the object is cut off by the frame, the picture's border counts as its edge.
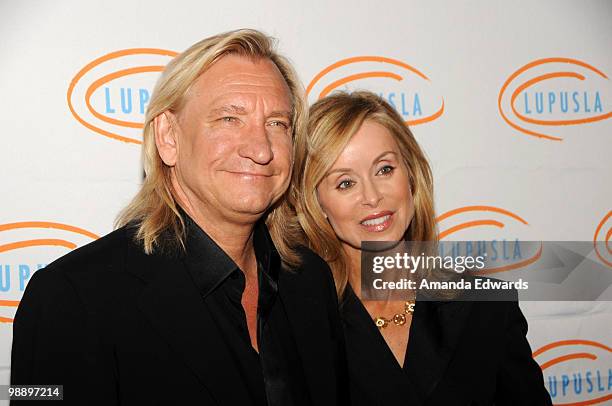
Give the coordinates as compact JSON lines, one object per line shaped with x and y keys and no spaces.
{"x":333,"y":121}
{"x":154,"y":210}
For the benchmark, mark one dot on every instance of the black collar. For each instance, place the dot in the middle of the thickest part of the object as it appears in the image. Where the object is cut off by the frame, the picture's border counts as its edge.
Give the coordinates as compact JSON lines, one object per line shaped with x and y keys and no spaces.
{"x":209,"y":265}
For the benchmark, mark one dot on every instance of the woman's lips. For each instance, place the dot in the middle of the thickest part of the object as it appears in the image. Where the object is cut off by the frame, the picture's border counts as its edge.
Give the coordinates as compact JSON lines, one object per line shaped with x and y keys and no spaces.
{"x":378,"y":222}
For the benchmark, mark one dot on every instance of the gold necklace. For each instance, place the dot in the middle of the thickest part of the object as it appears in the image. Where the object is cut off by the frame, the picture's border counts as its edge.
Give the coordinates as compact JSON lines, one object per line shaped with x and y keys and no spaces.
{"x":399,"y":319}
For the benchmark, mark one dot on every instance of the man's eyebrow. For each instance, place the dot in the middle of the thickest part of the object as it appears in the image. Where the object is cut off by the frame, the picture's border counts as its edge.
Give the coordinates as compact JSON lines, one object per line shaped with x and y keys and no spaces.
{"x":286,"y":114}
{"x":230,"y":108}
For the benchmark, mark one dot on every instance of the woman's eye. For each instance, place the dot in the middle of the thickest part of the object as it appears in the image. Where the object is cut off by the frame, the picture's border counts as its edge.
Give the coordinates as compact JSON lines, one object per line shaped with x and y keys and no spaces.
{"x":385,"y":170}
{"x":345,"y":184}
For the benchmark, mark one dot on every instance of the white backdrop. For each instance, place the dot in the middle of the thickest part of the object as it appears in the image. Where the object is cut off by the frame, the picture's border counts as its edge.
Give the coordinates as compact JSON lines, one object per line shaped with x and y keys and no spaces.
{"x":455,"y":69}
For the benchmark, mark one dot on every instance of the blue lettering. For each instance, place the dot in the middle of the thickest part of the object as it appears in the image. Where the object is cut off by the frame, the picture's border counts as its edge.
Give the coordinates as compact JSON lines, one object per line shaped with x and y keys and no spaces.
{"x":144,"y":99}
{"x":109,"y":109}
{"x":126,"y":107}
{"x":564,"y":383}
{"x":576,"y":103}
{"x":577,"y":384}
{"x":589,"y":382}
{"x":455,"y":250}
{"x":527,"y":111}
{"x":494,"y":248}
{"x":504,"y":246}
{"x":563,"y":98}
{"x":404,"y":112}
{"x":599,"y":385}
{"x":597,"y":102}
{"x":468,"y":248}
{"x":24,"y":275}
{"x":586,"y":104}
{"x":517,"y":250}
{"x":416,"y":110}
{"x":551,"y":101}
{"x":539,"y":100}
{"x":5,"y":282}
{"x":391,"y":102}
{"x":609,"y":379}
{"x":552,"y":386}
{"x":482,"y":246}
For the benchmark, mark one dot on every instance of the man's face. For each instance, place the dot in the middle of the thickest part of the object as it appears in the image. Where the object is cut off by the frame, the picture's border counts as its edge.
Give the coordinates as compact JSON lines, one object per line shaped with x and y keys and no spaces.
{"x":233,"y":140}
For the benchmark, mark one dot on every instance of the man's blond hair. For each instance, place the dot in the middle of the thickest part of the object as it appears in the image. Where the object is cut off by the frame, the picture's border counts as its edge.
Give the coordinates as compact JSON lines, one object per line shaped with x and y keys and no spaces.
{"x":154,"y":211}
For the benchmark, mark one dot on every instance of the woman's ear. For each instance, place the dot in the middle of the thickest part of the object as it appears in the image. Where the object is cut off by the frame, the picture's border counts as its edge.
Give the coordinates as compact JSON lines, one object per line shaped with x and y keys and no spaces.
{"x":319,"y":203}
{"x":166,"y":138}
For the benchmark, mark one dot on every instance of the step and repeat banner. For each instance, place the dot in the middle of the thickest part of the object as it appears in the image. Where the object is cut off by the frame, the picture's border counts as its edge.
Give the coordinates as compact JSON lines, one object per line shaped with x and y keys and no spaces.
{"x":510,"y":100}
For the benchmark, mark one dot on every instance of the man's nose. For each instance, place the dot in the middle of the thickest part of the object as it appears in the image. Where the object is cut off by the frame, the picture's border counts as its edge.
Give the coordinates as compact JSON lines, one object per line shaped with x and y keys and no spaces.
{"x":370,"y":195}
{"x":256,"y":144}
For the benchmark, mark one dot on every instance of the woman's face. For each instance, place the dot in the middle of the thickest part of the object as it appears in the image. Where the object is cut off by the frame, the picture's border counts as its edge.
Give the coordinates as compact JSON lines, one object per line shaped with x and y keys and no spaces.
{"x":366,"y":194}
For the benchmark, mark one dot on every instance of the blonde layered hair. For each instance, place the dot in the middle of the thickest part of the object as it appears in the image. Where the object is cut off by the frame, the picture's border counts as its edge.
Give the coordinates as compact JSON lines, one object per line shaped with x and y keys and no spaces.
{"x":154,"y":210}
{"x":333,"y":121}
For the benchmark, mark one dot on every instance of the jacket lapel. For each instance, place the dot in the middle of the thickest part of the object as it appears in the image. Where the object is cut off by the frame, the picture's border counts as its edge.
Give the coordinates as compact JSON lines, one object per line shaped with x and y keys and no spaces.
{"x":391,"y":385}
{"x":173,"y":305}
{"x":308,"y":319}
{"x":434,"y":334}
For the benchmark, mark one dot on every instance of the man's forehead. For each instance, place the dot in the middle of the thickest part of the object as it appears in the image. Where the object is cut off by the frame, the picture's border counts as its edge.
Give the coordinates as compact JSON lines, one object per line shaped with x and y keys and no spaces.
{"x":233,"y":85}
{"x":238,"y":72}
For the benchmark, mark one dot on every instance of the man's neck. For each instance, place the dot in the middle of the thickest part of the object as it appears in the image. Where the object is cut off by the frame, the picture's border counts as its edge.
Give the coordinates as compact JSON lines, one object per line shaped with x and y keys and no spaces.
{"x":235,"y":239}
{"x":233,"y":235}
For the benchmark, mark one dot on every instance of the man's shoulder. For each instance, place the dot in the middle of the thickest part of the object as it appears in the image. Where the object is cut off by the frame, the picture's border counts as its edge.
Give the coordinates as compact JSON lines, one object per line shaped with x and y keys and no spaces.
{"x":102,"y":251}
{"x":90,"y":272}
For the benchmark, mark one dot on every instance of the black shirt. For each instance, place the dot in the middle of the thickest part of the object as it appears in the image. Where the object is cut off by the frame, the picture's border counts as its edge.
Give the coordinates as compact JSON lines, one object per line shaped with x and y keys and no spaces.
{"x":275,"y":375}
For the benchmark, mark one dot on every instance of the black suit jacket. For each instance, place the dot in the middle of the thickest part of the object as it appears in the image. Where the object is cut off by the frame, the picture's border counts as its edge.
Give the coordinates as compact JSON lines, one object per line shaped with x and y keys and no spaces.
{"x":459,"y":353}
{"x":116,"y":326}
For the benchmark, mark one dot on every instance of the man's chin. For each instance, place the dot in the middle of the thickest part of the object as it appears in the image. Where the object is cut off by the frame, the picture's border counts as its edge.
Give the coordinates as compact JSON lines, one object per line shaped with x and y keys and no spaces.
{"x":249,"y":209}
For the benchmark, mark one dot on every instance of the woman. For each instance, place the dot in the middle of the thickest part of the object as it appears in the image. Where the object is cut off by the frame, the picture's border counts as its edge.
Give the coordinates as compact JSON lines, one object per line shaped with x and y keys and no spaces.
{"x":363,"y":177}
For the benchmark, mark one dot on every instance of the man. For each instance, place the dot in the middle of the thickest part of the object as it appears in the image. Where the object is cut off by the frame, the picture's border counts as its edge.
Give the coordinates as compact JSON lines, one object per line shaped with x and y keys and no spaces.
{"x":186,"y":302}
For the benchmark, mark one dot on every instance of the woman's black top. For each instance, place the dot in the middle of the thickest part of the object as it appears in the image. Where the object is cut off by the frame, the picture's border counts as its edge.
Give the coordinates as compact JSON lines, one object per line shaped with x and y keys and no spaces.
{"x":459,"y":353}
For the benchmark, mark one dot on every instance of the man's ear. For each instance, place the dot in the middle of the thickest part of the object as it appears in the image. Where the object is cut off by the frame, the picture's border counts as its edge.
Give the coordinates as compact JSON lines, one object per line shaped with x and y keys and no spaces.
{"x":166,"y":137}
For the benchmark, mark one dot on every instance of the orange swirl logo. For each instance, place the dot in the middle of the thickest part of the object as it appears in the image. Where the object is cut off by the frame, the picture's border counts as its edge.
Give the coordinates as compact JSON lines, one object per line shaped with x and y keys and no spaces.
{"x":601,"y":239}
{"x":26,"y":247}
{"x":546,"y":95}
{"x":576,"y":372}
{"x":406,"y":88}
{"x":110,"y":94}
{"x":482,"y":224}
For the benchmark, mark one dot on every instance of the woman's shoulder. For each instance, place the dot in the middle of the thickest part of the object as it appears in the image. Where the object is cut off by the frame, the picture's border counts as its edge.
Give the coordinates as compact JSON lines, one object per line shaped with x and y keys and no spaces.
{"x":312,"y":268}
{"x":310,"y":258}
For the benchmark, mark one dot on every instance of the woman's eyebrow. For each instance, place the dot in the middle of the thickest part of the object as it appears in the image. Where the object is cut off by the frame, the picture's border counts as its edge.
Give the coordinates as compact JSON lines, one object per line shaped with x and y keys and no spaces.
{"x":383,"y":154}
{"x":337,"y":170}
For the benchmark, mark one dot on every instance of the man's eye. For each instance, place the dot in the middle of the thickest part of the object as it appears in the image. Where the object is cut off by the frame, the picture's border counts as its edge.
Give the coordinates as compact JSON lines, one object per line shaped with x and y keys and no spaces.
{"x":345,"y":184}
{"x":229,"y":119}
{"x":385,"y":170}
{"x":277,"y":123}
